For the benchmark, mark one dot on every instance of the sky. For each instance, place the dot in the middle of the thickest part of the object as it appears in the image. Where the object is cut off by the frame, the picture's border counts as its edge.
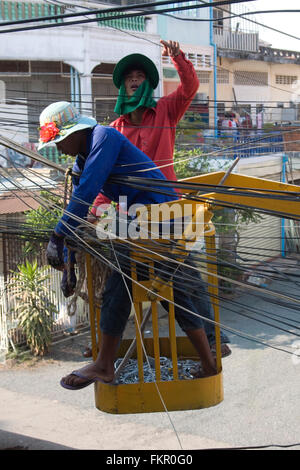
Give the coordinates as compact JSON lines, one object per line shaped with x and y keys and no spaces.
{"x":286,"y":22}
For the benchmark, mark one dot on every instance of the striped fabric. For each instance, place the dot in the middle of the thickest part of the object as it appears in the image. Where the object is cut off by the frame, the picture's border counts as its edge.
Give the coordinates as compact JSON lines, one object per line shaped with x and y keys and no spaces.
{"x":59,"y":120}
{"x":62,"y":113}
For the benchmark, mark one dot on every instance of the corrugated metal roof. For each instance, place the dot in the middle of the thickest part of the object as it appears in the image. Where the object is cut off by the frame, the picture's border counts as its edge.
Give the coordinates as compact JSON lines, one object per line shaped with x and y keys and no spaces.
{"x":17,"y":203}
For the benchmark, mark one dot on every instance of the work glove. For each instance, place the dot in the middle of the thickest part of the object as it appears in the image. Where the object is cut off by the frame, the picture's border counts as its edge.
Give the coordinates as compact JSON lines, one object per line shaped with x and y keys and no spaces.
{"x":68,"y":282}
{"x":54,"y":252}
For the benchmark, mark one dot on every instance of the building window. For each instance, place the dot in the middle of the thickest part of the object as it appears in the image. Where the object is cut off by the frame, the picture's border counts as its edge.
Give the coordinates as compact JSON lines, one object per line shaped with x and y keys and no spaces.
{"x":199,"y":61}
{"x":170,"y":73}
{"x":204,"y":77}
{"x":222,"y":76}
{"x":103,"y":70}
{"x":14,"y":67}
{"x":104,"y":110}
{"x":221,"y":108}
{"x":192,"y":12}
{"x":207,"y":60}
{"x":286,"y":79}
{"x":247,"y":78}
{"x":218,"y":19}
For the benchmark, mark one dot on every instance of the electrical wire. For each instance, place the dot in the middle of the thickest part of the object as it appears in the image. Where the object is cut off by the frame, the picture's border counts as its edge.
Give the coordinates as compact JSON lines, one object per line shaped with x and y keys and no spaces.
{"x":75,"y":218}
{"x":279,"y":446}
{"x":141,"y":6}
{"x":112,"y":17}
{"x":242,"y":15}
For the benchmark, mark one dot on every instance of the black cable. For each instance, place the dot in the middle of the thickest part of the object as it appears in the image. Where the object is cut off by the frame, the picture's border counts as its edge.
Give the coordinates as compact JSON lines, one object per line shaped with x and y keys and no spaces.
{"x":263,"y":322}
{"x":141,"y":183}
{"x":264,"y":446}
{"x":219,"y":202}
{"x":107,"y":95}
{"x":242,"y":15}
{"x":120,"y":9}
{"x":206,"y":187}
{"x":112,"y":17}
{"x":233,"y":15}
{"x":243,"y":335}
{"x":89,"y":12}
{"x":184,"y":289}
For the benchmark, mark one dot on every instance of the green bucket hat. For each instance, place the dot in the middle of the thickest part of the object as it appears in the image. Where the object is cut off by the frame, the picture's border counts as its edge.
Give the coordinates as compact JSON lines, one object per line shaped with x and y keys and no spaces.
{"x":59,"y":120}
{"x":139,"y":61}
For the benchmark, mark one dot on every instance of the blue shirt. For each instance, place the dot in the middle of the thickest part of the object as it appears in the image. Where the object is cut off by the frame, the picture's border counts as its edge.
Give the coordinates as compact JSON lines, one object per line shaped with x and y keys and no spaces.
{"x":110,"y":154}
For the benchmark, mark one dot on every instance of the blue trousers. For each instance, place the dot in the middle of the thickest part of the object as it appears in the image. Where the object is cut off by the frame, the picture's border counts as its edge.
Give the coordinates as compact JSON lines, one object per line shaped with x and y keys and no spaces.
{"x":116,"y":304}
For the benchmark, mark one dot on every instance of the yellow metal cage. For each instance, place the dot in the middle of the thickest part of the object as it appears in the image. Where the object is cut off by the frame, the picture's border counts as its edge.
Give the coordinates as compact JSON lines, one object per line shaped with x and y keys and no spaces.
{"x":180,"y":394}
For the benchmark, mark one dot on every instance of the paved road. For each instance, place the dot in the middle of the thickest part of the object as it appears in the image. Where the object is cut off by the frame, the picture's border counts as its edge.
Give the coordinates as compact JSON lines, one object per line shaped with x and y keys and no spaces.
{"x":261,"y":405}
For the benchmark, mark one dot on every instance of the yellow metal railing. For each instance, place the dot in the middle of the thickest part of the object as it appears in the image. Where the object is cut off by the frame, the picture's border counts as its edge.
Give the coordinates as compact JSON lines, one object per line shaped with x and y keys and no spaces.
{"x":176,"y":393}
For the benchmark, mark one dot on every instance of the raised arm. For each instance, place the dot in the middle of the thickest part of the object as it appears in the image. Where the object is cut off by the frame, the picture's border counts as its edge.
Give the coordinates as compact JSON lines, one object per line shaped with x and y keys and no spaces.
{"x":179,"y":101}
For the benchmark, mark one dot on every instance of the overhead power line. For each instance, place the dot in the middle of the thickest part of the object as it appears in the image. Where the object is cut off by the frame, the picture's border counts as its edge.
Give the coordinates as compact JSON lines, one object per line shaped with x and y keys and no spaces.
{"x":120,"y":9}
{"x":107,"y":18}
{"x":242,"y":15}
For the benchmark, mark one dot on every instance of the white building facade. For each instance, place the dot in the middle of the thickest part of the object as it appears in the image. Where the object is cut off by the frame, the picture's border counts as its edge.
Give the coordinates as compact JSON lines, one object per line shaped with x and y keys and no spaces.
{"x":66,"y":62}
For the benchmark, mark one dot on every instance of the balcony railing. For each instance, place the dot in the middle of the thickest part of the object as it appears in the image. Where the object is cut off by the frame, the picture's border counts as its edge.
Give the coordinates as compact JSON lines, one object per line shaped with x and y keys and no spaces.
{"x":23,"y":10}
{"x":133,"y":24}
{"x":236,"y":41}
{"x":239,"y":144}
{"x":199,"y":61}
{"x":12,"y":11}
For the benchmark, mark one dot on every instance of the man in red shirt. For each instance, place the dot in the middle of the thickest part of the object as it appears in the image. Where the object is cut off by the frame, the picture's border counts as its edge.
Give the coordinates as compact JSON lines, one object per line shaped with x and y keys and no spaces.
{"x":151,"y":126}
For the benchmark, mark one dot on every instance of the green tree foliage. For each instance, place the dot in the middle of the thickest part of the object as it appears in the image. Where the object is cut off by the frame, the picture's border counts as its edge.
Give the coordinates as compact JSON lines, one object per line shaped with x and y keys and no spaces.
{"x":43,"y":218}
{"x":190,"y":163}
{"x":33,"y":307}
{"x":46,"y":217}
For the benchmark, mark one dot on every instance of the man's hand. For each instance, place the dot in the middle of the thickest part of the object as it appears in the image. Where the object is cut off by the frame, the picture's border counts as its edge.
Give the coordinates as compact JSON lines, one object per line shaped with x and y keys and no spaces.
{"x":171,"y":48}
{"x":54,"y":252}
{"x":68,"y":282}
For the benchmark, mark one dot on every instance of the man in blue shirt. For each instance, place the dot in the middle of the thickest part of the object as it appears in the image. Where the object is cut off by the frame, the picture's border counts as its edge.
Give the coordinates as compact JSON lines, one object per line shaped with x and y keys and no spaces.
{"x":102,"y":153}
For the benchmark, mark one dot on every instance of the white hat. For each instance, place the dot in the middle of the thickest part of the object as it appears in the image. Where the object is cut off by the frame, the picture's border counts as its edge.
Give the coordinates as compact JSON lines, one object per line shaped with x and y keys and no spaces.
{"x":59,"y":120}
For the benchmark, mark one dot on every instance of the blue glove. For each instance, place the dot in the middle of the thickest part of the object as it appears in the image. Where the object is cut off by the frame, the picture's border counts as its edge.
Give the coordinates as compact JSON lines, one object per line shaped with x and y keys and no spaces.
{"x":54,"y":252}
{"x":68,"y":286}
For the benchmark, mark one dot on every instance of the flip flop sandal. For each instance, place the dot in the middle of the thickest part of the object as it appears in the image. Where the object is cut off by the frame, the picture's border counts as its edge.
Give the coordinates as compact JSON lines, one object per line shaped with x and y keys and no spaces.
{"x":82,"y":385}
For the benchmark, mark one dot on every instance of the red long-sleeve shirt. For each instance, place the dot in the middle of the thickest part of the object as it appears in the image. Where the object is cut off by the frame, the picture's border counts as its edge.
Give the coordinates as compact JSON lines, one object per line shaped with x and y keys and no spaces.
{"x":155,"y":136}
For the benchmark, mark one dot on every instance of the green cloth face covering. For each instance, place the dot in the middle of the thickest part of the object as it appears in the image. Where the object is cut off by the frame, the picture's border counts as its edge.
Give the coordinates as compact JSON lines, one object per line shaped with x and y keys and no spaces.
{"x":141,"y":97}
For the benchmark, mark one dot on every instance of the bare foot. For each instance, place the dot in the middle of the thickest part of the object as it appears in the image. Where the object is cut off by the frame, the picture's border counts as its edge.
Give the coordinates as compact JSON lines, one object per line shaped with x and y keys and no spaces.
{"x":88,"y":373}
{"x":198,"y":373}
{"x":225,"y":350}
